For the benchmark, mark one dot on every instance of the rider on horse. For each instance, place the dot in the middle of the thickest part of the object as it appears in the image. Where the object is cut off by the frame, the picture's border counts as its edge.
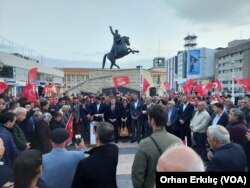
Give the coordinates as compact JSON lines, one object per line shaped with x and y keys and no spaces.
{"x":117,"y":39}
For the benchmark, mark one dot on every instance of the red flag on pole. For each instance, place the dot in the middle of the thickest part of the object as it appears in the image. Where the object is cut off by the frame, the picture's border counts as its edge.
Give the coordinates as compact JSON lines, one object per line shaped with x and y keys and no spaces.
{"x":244,"y":83}
{"x":29,"y":93}
{"x":166,"y":85}
{"x":3,"y":86}
{"x":69,"y":128}
{"x":32,"y":76}
{"x":218,"y":98}
{"x":145,"y":86}
{"x":120,"y":81}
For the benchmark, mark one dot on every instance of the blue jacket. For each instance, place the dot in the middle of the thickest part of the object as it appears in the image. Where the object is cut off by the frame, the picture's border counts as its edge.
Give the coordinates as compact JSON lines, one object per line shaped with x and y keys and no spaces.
{"x":230,"y":157}
{"x":59,"y":167}
{"x":11,"y":151}
{"x":174,"y":118}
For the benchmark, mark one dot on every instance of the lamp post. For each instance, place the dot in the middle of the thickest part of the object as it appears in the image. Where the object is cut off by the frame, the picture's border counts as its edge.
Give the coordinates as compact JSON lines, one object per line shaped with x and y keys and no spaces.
{"x":233,"y":94}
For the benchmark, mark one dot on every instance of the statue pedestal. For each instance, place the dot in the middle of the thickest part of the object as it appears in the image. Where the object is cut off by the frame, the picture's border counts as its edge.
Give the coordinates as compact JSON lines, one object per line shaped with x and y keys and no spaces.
{"x":102,"y":79}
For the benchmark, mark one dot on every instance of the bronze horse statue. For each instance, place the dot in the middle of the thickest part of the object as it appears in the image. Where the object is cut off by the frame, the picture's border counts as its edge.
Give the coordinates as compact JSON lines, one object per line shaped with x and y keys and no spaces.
{"x":121,"y":51}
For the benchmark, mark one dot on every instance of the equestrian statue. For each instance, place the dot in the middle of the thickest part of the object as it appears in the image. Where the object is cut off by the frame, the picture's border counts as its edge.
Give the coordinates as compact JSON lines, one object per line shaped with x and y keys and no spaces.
{"x":119,"y":49}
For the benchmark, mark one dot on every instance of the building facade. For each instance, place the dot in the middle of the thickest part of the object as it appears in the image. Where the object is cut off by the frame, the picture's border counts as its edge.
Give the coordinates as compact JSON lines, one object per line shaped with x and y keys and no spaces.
{"x":233,"y":62}
{"x":15,"y":64}
{"x":172,"y":72}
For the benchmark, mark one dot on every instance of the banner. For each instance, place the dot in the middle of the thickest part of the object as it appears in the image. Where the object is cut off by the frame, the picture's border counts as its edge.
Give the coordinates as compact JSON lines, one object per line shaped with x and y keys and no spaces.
{"x":120,"y":81}
{"x":193,"y":63}
{"x":166,"y":85}
{"x":69,"y":128}
{"x":244,"y":83}
{"x":145,"y":85}
{"x":3,"y":86}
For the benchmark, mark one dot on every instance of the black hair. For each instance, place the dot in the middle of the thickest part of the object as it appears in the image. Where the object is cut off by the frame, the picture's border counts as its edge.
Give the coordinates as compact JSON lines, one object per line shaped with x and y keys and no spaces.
{"x":26,"y":168}
{"x":7,"y":116}
{"x":43,"y":103}
{"x":105,"y":132}
{"x":219,"y":105}
{"x":158,"y":113}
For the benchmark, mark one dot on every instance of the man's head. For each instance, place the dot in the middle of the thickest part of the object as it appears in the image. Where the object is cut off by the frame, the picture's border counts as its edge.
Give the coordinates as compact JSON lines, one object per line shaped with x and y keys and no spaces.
{"x":148,"y":100}
{"x":104,"y":133}
{"x":218,"y":107}
{"x":8,"y":119}
{"x":44,"y":105}
{"x":2,"y":104}
{"x":201,"y":106}
{"x":112,"y":100}
{"x":116,"y":31}
{"x":245,"y":103}
{"x":20,"y":113}
{"x":157,"y":116}
{"x":59,"y":137}
{"x":180,"y":158}
{"x":184,"y":99}
{"x":217,"y":136}
{"x":170,"y":104}
{"x":236,"y":115}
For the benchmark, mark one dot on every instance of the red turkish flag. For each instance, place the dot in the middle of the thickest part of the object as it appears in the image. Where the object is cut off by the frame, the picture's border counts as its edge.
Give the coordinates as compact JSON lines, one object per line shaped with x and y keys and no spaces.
{"x":201,"y":91}
{"x":69,"y":128}
{"x":244,"y":83}
{"x":3,"y":86}
{"x":32,"y":76}
{"x":187,"y":87}
{"x":217,"y":85}
{"x":29,"y":93}
{"x":120,"y":81}
{"x":218,"y":98}
{"x":145,"y":86}
{"x":208,"y":85}
{"x":166,"y":85}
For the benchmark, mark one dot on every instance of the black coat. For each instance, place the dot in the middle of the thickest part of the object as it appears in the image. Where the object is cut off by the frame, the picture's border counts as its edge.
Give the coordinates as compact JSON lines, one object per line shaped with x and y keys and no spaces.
{"x":99,"y":169}
{"x":187,"y":114}
{"x":230,"y":157}
{"x":222,"y":121}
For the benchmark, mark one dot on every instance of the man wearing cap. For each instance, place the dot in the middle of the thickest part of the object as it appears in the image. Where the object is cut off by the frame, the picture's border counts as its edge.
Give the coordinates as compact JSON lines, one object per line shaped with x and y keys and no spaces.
{"x":59,"y":165}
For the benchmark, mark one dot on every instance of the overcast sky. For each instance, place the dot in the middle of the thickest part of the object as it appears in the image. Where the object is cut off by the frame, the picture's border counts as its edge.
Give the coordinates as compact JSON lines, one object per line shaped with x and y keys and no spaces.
{"x":79,"y":29}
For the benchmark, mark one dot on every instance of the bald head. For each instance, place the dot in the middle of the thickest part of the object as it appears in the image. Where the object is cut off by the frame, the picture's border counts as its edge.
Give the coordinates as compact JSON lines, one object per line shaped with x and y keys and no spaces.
{"x":180,"y":158}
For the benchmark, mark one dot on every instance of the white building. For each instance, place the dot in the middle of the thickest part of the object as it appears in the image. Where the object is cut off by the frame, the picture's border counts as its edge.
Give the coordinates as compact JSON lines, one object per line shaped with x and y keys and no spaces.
{"x":197,"y":64}
{"x":14,"y":68}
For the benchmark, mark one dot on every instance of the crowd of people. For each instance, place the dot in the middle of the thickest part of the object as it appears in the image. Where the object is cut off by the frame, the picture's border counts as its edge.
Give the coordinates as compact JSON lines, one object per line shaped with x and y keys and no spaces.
{"x":216,"y":133}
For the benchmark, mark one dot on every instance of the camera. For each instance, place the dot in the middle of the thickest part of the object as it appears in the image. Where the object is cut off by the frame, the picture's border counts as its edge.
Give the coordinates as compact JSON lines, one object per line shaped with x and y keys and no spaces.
{"x":78,"y":138}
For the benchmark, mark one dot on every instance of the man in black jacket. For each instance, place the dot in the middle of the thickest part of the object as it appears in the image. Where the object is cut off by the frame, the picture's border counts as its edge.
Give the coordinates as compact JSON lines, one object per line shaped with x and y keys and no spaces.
{"x":99,"y":169}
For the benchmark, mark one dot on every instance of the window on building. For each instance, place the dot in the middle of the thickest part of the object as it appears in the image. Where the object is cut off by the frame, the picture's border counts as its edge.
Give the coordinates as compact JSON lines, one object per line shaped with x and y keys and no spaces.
{"x":87,"y":77}
{"x":68,"y":78}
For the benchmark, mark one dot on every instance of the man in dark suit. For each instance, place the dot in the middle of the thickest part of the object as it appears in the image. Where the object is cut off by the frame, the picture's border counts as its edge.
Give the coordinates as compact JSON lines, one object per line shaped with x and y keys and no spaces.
{"x":225,"y":156}
{"x":186,"y":113}
{"x":147,"y":130}
{"x":99,"y":169}
{"x":114,"y":116}
{"x":219,"y":117}
{"x":173,"y":125}
{"x":98,"y":107}
{"x":135,"y":112}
